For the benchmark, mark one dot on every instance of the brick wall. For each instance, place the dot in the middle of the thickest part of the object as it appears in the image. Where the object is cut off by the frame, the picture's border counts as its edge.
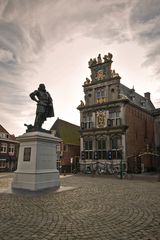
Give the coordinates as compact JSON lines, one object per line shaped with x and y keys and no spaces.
{"x":70,"y":151}
{"x":140,"y":133}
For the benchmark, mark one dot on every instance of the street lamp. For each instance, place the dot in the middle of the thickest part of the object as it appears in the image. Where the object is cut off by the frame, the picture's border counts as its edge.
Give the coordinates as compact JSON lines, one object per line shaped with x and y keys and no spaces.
{"x":71,"y":160}
{"x":121,"y":165}
{"x":121,"y":169}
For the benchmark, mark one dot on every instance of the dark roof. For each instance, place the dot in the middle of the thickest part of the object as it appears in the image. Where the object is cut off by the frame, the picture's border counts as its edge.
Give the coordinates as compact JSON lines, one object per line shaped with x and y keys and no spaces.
{"x":156,"y":112}
{"x":68,"y":132}
{"x":10,"y":136}
{"x":136,"y":98}
{"x":3,"y":130}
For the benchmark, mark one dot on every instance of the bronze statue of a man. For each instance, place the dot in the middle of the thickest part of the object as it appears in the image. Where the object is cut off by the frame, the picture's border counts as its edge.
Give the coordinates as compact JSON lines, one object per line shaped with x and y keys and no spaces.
{"x":44,"y":106}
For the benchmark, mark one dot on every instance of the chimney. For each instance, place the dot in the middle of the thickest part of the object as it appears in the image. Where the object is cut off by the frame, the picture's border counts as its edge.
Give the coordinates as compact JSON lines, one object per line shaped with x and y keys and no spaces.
{"x":147,"y":95}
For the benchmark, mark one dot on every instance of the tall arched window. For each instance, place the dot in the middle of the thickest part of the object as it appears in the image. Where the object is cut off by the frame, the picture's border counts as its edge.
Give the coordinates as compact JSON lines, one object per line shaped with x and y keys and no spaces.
{"x":101,"y":148}
{"x":116,"y":146}
{"x":116,"y":142}
{"x":88,"y":148}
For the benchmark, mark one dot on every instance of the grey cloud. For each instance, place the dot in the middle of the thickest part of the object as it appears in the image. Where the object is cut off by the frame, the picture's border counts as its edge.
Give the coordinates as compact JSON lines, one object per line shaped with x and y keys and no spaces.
{"x":101,"y":19}
{"x":11,"y":32}
{"x":145,"y":21}
{"x":5,"y":83}
{"x":154,"y":53}
{"x":37,"y":38}
{"x":28,"y":27}
{"x":150,"y":35}
{"x":144,"y":11}
{"x":20,"y":30}
{"x":37,"y":22}
{"x":21,"y":43}
{"x":98,"y":19}
{"x":145,"y":26}
{"x":119,"y":21}
{"x":11,"y":92}
{"x":6,"y":55}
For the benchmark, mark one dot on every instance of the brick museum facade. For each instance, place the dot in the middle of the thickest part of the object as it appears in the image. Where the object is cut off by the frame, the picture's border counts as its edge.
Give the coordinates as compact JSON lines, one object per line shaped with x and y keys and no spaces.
{"x":117,"y":125}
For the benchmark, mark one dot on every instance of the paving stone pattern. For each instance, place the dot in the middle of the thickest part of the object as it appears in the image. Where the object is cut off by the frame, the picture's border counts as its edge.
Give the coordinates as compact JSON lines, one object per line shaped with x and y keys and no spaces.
{"x":97,"y":208}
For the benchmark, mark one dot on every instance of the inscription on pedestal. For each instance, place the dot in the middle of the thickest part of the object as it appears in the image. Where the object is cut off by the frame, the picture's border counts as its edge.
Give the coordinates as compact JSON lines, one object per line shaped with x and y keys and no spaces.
{"x":27,"y":154}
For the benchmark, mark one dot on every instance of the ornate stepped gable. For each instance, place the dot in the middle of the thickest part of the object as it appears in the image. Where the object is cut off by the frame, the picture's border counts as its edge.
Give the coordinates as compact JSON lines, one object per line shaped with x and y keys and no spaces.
{"x":101,"y":72}
{"x":104,"y":84}
{"x":101,"y":69}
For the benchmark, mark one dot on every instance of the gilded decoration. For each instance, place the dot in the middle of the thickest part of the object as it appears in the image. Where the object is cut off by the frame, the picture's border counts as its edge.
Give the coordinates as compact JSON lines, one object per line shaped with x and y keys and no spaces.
{"x":101,"y":100}
{"x":101,"y":119}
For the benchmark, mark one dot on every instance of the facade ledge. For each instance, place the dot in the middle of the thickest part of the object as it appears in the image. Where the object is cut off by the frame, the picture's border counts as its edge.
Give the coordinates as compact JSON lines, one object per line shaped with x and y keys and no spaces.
{"x":108,"y":129}
{"x":106,"y":104}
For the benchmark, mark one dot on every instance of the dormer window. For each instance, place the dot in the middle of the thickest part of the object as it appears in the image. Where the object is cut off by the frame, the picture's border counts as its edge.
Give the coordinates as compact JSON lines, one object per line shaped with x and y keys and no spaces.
{"x":132,"y":97}
{"x":4,"y":135}
{"x":143,"y":103}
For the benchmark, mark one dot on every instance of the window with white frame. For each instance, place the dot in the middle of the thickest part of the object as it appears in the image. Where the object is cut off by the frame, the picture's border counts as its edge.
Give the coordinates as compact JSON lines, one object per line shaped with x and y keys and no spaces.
{"x":11,"y":149}
{"x":114,"y":119}
{"x":4,"y":135}
{"x":3,"y":147}
{"x":87,"y":121}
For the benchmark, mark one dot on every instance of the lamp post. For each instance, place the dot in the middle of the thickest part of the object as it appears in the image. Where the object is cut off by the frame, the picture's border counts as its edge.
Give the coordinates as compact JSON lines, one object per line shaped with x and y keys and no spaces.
{"x":121,"y":165}
{"x":121,"y":169}
{"x":71,"y":163}
{"x":58,"y":156}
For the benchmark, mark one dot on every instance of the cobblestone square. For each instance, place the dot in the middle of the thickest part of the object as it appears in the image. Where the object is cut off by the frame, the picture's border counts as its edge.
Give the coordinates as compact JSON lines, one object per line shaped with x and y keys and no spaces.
{"x":87,"y":208}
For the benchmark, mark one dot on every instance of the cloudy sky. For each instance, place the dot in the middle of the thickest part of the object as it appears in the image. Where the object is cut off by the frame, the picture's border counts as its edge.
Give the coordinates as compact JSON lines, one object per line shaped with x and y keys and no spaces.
{"x":51,"y":42}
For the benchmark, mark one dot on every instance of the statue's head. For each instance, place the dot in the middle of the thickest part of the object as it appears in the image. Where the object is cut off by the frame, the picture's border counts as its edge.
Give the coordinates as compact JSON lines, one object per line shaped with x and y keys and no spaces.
{"x":42,"y":87}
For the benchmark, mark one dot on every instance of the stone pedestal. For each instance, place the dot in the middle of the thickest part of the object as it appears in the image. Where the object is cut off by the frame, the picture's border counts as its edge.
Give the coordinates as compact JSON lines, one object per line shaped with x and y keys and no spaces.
{"x":36,"y":168}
